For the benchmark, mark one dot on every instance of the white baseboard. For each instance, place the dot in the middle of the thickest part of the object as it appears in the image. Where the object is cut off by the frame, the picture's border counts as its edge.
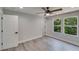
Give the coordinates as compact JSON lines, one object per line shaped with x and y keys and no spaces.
{"x":30,"y":39}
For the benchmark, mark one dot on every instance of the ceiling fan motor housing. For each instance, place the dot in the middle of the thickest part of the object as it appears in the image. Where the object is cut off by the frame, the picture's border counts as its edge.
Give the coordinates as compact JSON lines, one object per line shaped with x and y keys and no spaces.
{"x":47,"y":11}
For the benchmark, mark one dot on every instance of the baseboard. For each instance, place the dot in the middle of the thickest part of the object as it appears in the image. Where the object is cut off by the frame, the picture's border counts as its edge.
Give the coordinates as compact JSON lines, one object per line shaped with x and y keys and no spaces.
{"x":30,"y":39}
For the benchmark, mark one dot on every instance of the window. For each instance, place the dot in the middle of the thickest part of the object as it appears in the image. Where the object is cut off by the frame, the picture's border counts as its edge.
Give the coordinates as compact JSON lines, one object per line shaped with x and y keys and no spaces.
{"x":70,"y":25}
{"x":57,"y":25}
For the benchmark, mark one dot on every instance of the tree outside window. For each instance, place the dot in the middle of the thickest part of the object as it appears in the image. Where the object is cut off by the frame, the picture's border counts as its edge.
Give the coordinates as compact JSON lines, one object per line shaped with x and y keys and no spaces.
{"x":70,"y":25}
{"x":57,"y":25}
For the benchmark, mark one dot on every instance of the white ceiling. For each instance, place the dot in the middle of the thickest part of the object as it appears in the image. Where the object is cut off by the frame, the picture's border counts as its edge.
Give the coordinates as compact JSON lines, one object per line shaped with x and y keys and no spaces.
{"x":35,"y":10}
{"x":31,"y":10}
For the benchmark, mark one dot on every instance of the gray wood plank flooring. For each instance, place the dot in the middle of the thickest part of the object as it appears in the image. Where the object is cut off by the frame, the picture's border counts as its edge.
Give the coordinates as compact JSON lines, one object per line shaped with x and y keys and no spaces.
{"x":44,"y":44}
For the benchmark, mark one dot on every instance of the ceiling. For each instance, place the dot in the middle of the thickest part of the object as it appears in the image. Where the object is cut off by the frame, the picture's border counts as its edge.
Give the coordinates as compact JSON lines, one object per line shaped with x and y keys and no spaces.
{"x":31,"y":10}
{"x":35,"y":10}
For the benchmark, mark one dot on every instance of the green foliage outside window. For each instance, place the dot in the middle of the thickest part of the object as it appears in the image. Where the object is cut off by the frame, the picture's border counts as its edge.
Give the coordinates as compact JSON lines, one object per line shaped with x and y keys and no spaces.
{"x":57,"y":25}
{"x":57,"y":22}
{"x":57,"y":28}
{"x":71,"y":21}
{"x":71,"y":30}
{"x":70,"y":25}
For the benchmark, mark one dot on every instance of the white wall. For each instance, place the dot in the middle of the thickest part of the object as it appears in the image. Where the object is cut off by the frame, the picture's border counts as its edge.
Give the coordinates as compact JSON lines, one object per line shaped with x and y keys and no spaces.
{"x":30,"y":26}
{"x":62,"y":36}
{"x":0,"y":32}
{"x":1,"y":12}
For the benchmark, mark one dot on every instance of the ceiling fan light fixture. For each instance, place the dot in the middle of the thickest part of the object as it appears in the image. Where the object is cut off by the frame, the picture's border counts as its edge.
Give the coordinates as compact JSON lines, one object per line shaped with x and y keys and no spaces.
{"x":47,"y":14}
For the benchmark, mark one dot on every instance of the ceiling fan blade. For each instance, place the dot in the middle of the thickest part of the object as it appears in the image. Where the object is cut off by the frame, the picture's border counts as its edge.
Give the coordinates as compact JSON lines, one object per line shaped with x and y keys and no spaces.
{"x":43,"y":8}
{"x":56,"y":10}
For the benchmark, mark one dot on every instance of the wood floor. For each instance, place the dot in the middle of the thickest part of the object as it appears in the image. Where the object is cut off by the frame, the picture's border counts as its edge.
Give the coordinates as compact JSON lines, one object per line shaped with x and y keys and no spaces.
{"x":44,"y":44}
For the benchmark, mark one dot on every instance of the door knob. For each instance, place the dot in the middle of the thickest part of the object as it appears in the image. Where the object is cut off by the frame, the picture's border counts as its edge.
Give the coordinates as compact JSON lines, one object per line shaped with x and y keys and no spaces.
{"x":16,"y":32}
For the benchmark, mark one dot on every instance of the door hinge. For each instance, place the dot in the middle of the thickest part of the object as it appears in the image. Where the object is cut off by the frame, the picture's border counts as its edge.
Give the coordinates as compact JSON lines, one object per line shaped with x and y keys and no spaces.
{"x":1,"y":18}
{"x":1,"y":30}
{"x":1,"y":43}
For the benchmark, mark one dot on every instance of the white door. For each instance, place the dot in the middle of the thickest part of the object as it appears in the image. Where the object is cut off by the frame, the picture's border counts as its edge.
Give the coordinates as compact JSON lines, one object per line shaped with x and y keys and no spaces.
{"x":10,"y":31}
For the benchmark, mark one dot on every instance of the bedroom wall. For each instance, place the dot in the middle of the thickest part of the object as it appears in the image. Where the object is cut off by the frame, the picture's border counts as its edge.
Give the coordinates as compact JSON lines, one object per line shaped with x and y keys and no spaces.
{"x":30,"y":26}
{"x":62,"y":36}
{"x":1,"y":12}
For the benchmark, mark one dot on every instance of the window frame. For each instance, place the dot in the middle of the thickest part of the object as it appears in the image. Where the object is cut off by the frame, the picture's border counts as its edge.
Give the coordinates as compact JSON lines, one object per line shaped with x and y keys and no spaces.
{"x":70,"y":25}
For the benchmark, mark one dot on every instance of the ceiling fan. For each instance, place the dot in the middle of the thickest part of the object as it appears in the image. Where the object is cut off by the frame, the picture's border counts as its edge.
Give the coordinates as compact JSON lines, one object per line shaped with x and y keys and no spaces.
{"x":48,"y":11}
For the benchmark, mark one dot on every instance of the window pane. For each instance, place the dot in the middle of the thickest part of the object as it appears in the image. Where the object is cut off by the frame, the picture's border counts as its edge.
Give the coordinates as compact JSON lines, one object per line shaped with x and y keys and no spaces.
{"x":71,"y":21}
{"x":57,"y":22}
{"x":71,"y":30}
{"x":57,"y":28}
